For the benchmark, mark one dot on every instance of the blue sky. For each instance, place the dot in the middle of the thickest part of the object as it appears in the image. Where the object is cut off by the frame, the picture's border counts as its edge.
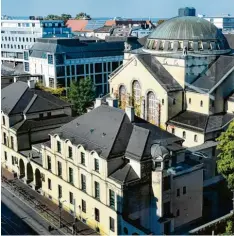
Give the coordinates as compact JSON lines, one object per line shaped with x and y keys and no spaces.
{"x":124,"y":8}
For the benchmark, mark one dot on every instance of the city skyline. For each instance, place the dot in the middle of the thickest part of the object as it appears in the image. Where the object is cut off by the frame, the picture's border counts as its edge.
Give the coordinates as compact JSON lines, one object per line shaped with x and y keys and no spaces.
{"x":121,"y":8}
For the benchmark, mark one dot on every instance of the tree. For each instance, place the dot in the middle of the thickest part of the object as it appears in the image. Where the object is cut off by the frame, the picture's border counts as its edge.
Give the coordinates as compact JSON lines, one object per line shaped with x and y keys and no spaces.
{"x":81,"y":94}
{"x":160,"y":22}
{"x":66,"y":17}
{"x":82,"y":15}
{"x":225,"y":160}
{"x":230,"y":227}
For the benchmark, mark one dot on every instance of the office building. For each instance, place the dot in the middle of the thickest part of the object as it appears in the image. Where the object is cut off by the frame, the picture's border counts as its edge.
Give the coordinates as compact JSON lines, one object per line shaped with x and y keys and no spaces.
{"x":19,"y":35}
{"x":187,"y":11}
{"x":61,"y":61}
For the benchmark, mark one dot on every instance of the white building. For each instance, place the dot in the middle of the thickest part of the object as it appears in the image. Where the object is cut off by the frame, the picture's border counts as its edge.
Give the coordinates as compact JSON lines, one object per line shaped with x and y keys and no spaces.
{"x":62,"y":61}
{"x":225,"y":23}
{"x":18,"y":35}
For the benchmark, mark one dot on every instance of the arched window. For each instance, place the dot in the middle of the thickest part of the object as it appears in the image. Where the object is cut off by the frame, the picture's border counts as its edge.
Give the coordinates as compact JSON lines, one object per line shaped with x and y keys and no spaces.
{"x":136,"y":90}
{"x":151,"y":107}
{"x":201,"y":103}
{"x":184,"y":134}
{"x":122,"y":96}
{"x":195,"y":138}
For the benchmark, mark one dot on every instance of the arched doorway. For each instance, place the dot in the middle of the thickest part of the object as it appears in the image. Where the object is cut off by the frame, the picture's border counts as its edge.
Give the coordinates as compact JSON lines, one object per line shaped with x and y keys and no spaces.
{"x":29,"y":173}
{"x":38,"y":179}
{"x":21,"y":169}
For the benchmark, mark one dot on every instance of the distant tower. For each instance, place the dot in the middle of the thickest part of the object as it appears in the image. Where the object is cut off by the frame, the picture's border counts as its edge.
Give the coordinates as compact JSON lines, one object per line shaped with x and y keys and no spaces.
{"x":187,"y":11}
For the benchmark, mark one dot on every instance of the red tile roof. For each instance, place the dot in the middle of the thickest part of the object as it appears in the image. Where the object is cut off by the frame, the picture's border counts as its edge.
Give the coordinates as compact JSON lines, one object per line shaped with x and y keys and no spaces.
{"x":77,"y":25}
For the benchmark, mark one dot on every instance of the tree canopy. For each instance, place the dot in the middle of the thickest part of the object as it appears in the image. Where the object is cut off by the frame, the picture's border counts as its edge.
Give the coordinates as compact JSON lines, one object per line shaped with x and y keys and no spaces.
{"x":225,"y":160}
{"x":82,"y":15}
{"x":64,"y":17}
{"x":81,"y":94}
{"x":160,"y":22}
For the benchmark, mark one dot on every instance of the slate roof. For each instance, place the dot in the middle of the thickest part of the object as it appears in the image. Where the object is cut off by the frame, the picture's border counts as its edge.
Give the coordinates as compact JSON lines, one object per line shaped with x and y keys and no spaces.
{"x":26,"y":125}
{"x":163,"y":77}
{"x":73,"y":48}
{"x":216,"y":71}
{"x":201,"y":122}
{"x":125,"y":174}
{"x":19,"y":98}
{"x":207,"y":144}
{"x":104,"y":29}
{"x":230,"y":39}
{"x":109,"y":131}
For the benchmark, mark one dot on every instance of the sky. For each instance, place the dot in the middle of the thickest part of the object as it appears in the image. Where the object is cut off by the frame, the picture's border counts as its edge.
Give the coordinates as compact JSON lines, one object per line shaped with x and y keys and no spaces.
{"x":112,"y":8}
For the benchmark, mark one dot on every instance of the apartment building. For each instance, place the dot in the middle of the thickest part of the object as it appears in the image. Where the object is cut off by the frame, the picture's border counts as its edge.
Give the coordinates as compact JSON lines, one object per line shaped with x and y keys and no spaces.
{"x":19,"y":35}
{"x":116,"y":172}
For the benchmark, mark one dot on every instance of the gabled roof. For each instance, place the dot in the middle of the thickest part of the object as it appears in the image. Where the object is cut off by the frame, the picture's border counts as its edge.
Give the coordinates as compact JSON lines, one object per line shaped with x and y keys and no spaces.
{"x":201,"y":122}
{"x":104,"y":29}
{"x":19,"y":98}
{"x":163,"y":77}
{"x":77,"y":25}
{"x":125,"y":174}
{"x":109,"y":131}
{"x":215,"y":73}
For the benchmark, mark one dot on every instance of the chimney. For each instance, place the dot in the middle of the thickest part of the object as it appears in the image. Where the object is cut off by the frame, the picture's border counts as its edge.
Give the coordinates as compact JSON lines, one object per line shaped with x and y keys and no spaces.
{"x":31,"y":83}
{"x":98,"y":102}
{"x":112,"y":102}
{"x":129,"y":110}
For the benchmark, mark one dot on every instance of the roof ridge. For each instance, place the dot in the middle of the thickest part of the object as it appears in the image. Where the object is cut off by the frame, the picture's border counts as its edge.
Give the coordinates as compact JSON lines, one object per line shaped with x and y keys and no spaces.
{"x":30,"y":103}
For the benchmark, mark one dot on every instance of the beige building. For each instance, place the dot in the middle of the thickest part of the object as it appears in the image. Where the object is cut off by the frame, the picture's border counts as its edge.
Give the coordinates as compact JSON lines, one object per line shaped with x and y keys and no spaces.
{"x":182,"y":80}
{"x":116,"y":172}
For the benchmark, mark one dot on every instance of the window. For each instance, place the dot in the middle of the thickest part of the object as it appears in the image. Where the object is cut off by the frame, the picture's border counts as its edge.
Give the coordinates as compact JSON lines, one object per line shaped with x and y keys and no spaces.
{"x":166,"y":183}
{"x":112,"y":198}
{"x":51,"y":82}
{"x":112,"y":224}
{"x":166,"y":165}
{"x":60,"y":191}
{"x":19,"y":24}
{"x":18,"y":46}
{"x":26,"y":56}
{"x":151,"y":107}
{"x":3,"y":120}
{"x":49,"y":184}
{"x":49,"y":114}
{"x":9,"y":38}
{"x":26,"y":66}
{"x":189,"y":100}
{"x":83,"y":182}
{"x":4,"y":139}
{"x":83,"y":205}
{"x":184,"y":134}
{"x":96,"y":165}
{"x":5,"y":155}
{"x":49,"y":163}
{"x":60,"y":71}
{"x":59,"y":169}
{"x":167,"y":208}
{"x":19,"y":39}
{"x":136,"y":90}
{"x":71,"y":199}
{"x":22,"y":46}
{"x":82,"y":156}
{"x":58,"y":146}
{"x":97,"y":216}
{"x":184,"y":190}
{"x":12,"y":142}
{"x":174,"y":101}
{"x":122,"y":96}
{"x":12,"y":160}
{"x":41,"y":115}
{"x":50,"y":59}
{"x":195,"y":138}
{"x":70,"y":152}
{"x":26,"y":39}
{"x":162,"y":101}
{"x":178,"y":213}
{"x":201,"y":104}
{"x":178,"y":192}
{"x":173,"y":130}
{"x":23,"y":39}
{"x":70,"y":175}
{"x":97,"y":190}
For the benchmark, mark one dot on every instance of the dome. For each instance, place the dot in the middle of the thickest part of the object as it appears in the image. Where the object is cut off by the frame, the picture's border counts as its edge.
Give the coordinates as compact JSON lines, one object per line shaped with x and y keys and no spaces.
{"x":194,"y":33}
{"x":158,"y":151}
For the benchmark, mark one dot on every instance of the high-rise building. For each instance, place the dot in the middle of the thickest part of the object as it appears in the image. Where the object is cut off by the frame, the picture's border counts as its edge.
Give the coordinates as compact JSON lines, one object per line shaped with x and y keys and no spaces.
{"x":187,"y":11}
{"x":18,"y":35}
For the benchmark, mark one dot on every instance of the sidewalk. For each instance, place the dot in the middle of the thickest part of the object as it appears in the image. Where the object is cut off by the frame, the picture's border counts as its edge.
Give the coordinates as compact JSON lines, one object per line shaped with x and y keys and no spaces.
{"x":50,"y":208}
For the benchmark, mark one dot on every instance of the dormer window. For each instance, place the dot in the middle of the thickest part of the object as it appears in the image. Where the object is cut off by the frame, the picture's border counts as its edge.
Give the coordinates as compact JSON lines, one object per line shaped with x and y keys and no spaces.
{"x":170,"y":46}
{"x":155,"y":44}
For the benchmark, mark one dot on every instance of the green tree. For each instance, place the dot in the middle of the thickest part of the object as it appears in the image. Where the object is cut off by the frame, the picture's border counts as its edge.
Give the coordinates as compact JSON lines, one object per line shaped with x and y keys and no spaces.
{"x":82,"y":15}
{"x":230,"y":227}
{"x":81,"y":94}
{"x":66,"y":17}
{"x":225,"y":160}
{"x":160,"y":22}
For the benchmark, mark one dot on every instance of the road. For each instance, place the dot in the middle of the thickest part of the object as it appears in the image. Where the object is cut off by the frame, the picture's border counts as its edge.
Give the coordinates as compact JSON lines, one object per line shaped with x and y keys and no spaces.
{"x":29,"y":215}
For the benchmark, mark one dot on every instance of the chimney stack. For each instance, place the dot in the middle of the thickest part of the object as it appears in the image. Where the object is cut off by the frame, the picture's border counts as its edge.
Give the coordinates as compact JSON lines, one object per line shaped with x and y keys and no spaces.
{"x":129,"y":110}
{"x":31,"y":83}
